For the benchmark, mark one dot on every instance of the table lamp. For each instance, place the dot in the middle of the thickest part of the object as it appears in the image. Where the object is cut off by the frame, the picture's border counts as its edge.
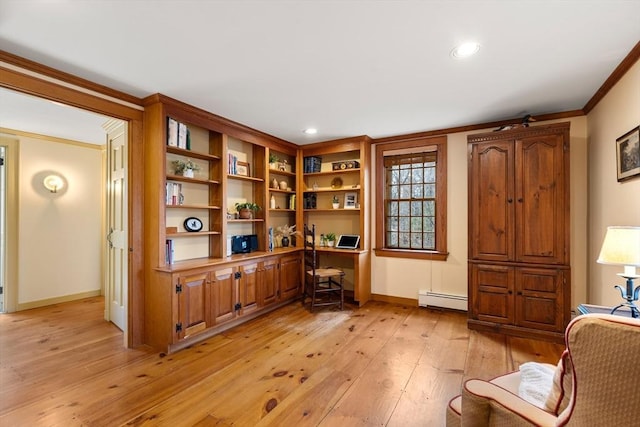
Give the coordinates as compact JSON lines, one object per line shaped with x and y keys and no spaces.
{"x":621,"y":246}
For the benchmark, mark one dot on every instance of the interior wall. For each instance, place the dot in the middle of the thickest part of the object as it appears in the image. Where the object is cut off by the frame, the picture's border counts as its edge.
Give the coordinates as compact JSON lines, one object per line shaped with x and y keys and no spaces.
{"x":611,"y":202}
{"x":59,"y":233}
{"x":404,"y":278}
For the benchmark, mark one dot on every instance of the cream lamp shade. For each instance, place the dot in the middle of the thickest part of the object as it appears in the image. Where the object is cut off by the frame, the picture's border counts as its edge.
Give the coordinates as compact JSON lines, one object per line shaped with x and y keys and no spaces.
{"x":53,"y":183}
{"x":621,"y":246}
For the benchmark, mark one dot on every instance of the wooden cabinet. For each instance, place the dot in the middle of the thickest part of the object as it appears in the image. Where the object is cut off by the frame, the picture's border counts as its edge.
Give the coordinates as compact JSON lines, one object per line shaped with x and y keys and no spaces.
{"x":282,"y":197}
{"x":269,"y":282}
{"x":519,"y":230}
{"x":194,"y":286}
{"x":338,"y":172}
{"x":290,"y":276}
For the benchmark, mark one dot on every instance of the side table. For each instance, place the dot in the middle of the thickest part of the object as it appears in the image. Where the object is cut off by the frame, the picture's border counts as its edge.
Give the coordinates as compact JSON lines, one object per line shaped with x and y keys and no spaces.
{"x":601,"y":309}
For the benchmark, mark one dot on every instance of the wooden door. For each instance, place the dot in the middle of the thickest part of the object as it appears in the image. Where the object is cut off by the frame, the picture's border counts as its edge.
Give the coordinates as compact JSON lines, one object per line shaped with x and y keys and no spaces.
{"x":248,"y":288}
{"x":540,"y":199}
{"x":268,"y":282}
{"x":491,"y":287}
{"x":491,"y":193}
{"x":193,"y":293}
{"x":540,"y":298}
{"x":223,"y":295}
{"x":289,"y":276}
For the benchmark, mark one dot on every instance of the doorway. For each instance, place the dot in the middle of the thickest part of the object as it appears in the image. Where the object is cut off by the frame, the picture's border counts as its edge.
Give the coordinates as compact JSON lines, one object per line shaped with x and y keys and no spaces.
{"x":43,"y":151}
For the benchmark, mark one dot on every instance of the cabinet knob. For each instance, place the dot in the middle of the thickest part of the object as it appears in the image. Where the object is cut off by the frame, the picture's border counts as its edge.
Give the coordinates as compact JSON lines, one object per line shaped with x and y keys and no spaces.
{"x":510,"y":200}
{"x":520,"y":200}
{"x":510,"y":292}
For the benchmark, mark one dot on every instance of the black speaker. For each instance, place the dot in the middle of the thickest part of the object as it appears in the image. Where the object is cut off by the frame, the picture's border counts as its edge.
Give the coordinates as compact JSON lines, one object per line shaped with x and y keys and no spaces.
{"x":244,"y":244}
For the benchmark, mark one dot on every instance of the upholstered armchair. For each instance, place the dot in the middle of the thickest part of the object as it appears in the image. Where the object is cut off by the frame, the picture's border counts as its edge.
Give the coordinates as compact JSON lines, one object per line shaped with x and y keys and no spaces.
{"x":596,"y":383}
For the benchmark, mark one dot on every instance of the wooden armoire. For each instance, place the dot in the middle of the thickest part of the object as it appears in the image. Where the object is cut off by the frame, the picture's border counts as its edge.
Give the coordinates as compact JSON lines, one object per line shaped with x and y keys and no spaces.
{"x":519,"y":271}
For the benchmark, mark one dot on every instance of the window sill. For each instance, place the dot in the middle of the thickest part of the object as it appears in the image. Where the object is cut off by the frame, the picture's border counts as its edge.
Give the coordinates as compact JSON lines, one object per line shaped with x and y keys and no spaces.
{"x":401,"y":253}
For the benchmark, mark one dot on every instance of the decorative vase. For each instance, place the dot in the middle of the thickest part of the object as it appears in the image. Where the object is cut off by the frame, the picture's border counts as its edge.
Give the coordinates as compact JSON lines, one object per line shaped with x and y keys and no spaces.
{"x":283,"y":185}
{"x":244,"y":214}
{"x":336,"y":205}
{"x":187,"y":173}
{"x":274,"y":183}
{"x":330,"y":243}
{"x":285,"y":241}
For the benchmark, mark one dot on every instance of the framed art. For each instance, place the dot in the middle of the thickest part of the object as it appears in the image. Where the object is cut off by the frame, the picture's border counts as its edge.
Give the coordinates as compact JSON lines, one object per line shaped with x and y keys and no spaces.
{"x":350,"y":200}
{"x":243,"y":169}
{"x":628,"y":154}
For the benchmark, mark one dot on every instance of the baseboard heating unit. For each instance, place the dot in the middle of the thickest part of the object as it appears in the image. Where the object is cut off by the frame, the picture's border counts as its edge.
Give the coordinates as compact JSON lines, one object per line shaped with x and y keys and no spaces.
{"x":433,"y":299}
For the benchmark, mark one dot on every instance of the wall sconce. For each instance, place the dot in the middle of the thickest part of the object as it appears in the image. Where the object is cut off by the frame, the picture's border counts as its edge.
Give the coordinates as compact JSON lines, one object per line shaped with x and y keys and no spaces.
{"x":53,"y":183}
{"x":621,"y":246}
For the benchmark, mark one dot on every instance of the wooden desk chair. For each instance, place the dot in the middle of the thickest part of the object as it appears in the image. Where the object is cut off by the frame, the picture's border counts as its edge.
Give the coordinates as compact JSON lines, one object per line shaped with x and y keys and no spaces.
{"x":323,"y":285}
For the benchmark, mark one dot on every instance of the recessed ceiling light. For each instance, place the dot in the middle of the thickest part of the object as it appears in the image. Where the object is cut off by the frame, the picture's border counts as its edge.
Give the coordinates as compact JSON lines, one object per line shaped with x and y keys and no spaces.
{"x":310,"y":131}
{"x":465,"y":50}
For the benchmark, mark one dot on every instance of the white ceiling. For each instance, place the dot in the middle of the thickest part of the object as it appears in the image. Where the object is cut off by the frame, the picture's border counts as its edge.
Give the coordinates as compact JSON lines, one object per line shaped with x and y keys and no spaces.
{"x":347,"y":67}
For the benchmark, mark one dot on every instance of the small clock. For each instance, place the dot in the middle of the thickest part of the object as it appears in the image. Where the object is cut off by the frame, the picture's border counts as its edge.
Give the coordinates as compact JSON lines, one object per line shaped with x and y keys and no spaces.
{"x":193,"y":224}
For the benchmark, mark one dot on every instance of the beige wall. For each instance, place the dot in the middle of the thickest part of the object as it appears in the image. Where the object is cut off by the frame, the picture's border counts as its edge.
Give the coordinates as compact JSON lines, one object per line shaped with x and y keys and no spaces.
{"x":59,"y":249}
{"x":610,"y":202}
{"x":405,"y":278}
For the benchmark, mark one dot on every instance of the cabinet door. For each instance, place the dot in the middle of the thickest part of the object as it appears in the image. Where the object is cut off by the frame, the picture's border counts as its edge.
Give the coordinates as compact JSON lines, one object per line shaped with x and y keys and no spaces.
{"x":223,"y":295}
{"x":248,"y":288}
{"x":491,"y":289}
{"x":540,"y":200}
{"x":540,"y":298}
{"x":268,"y":282}
{"x":290,"y":276}
{"x":192,"y":293}
{"x":491,"y":192}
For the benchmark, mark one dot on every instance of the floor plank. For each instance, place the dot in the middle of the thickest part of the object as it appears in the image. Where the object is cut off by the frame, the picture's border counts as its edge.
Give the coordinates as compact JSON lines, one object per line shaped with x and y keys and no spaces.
{"x":381,"y":364}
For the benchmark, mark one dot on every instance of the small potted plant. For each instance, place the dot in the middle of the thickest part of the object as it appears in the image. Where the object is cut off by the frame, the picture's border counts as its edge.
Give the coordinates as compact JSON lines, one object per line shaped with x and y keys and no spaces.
{"x":331,"y":239}
{"x":286,"y":232}
{"x":246,"y":210}
{"x":336,"y":202}
{"x":185,"y":168}
{"x":273,"y":160}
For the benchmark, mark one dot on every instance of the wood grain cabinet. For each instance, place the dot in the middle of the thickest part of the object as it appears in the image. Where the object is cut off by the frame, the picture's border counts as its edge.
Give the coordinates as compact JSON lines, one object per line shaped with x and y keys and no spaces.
{"x":519,"y":273}
{"x":195,"y":286}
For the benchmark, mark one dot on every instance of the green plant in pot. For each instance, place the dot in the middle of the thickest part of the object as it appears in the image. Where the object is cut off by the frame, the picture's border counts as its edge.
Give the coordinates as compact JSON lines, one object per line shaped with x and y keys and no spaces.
{"x":185,"y":168}
{"x":330,"y":238}
{"x":246,"y":210}
{"x":273,"y":159}
{"x":336,"y":202}
{"x":287,"y":232}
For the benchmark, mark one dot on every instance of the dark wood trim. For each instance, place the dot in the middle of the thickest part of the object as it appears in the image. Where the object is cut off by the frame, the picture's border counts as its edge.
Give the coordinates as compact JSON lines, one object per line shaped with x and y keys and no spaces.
{"x":614,"y":78}
{"x":65,"y":77}
{"x":78,"y":98}
{"x":480,"y":126}
{"x":441,"y":202}
{"x":346,"y":144}
{"x":203,"y":118}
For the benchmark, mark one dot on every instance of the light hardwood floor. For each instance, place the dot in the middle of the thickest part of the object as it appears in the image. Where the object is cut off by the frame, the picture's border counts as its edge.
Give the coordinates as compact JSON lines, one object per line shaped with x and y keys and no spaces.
{"x":379,"y":365}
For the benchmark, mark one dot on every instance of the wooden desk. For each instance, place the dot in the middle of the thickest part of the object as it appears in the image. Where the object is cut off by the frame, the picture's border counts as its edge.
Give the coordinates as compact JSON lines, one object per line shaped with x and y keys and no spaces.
{"x":361,"y":270}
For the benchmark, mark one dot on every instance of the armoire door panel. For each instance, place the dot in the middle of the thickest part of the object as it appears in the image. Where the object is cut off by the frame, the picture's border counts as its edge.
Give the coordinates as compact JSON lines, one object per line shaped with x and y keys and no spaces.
{"x":540,"y":196}
{"x":492,"y":192}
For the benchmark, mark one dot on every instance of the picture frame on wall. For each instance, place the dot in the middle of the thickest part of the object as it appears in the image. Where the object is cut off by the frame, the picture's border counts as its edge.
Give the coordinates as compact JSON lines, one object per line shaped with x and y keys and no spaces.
{"x":243,"y":169}
{"x":628,"y":154}
{"x":350,"y":200}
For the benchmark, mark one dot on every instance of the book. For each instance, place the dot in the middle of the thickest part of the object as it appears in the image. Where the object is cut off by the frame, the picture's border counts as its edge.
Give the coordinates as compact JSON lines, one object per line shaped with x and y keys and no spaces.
{"x":172,"y":132}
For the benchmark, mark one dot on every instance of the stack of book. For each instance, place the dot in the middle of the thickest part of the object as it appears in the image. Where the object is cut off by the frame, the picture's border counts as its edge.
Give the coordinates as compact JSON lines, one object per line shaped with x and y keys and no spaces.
{"x":178,"y":134}
{"x":312,"y":164}
{"x":233,"y":164}
{"x":174,"y":193}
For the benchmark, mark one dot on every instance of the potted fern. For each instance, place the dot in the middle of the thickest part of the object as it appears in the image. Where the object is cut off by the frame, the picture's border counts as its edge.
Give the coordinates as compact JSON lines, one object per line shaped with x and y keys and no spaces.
{"x":331,"y":239}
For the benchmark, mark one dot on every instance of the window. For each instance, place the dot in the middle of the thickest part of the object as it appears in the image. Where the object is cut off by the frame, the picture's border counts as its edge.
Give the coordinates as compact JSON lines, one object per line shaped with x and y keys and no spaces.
{"x":411,"y":198}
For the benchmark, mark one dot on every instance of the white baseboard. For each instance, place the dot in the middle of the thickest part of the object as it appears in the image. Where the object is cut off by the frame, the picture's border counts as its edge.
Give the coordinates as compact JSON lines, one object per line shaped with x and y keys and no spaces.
{"x":433,"y":299}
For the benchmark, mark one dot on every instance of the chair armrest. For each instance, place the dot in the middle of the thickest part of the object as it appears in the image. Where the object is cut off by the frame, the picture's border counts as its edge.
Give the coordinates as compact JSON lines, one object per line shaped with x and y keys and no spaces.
{"x":483,"y":401}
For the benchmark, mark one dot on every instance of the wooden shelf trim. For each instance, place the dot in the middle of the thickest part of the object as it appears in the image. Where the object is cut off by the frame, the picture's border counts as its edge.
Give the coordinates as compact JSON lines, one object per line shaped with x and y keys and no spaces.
{"x":193,"y":207}
{"x":276,"y":190}
{"x":332,"y":190}
{"x":246,"y":220}
{"x":192,"y":233}
{"x":245,"y":178}
{"x":189,"y":153}
{"x":333,"y":210}
{"x":194,"y":180}
{"x":284,"y":173}
{"x":340,"y":171}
